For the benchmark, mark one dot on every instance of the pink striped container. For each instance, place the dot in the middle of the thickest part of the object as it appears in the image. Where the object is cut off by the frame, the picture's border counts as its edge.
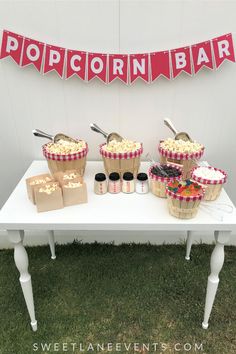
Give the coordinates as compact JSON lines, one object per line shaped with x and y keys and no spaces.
{"x":187,"y":160}
{"x":121,"y":162}
{"x":158,"y":183}
{"x":183,"y":207}
{"x":212,"y":187}
{"x":64,"y":162}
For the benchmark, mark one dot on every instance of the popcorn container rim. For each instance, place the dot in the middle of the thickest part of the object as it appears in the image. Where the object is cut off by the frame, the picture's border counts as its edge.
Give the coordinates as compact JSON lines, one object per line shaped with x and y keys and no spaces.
{"x":187,"y":199}
{"x":65,"y":157}
{"x":180,"y":155}
{"x":165,"y":179}
{"x":121,"y":155}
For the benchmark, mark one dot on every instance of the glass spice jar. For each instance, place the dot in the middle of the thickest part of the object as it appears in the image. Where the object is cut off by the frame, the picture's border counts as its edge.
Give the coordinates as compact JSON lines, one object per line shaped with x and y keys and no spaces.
{"x":114,"y":184}
{"x":142,"y":186}
{"x":100,"y":183}
{"x":128,"y":182}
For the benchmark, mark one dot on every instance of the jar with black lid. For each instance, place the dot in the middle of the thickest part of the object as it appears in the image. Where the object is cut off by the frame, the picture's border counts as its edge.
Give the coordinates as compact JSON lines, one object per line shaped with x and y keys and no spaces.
{"x":114,"y":184}
{"x":128,"y":182}
{"x":142,"y":186}
{"x":100,"y":183}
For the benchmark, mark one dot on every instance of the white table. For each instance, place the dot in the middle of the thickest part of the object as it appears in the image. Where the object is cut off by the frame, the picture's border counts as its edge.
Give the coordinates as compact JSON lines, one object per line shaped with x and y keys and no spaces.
{"x":109,"y":212}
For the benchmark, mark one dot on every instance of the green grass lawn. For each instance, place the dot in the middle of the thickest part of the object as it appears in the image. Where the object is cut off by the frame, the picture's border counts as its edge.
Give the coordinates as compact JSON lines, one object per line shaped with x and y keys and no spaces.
{"x":100,"y":293}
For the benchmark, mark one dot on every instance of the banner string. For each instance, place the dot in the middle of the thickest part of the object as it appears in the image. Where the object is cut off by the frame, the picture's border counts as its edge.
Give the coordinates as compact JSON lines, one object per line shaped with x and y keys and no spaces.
{"x":118,"y":49}
{"x":125,"y":67}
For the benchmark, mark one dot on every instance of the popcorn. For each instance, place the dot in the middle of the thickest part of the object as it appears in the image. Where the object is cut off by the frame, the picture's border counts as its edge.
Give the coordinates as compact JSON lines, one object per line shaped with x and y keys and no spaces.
{"x":72,"y":185}
{"x":64,"y":147}
{"x":122,"y":146}
{"x":208,"y":173}
{"x":181,"y":146}
{"x":49,"y":188}
{"x":70,"y":176}
{"x":40,"y":181}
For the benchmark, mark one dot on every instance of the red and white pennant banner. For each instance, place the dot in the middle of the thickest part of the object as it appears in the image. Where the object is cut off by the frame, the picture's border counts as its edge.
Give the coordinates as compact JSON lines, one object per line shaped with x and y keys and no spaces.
{"x":76,"y":64}
{"x":118,"y":68}
{"x":124,"y":67}
{"x":202,"y":56}
{"x":32,"y":53}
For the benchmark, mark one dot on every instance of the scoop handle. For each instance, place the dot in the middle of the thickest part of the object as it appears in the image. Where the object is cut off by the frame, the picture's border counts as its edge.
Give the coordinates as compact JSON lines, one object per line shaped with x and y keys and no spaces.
{"x":96,"y":129}
{"x":170,"y":125}
{"x":150,"y":159}
{"x":154,"y":163}
{"x":42,"y":134}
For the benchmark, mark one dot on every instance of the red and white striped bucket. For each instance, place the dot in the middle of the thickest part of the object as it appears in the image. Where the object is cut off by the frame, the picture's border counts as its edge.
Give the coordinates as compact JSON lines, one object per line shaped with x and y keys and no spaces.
{"x":64,"y":162}
{"x":121,"y":162}
{"x":213,"y":187}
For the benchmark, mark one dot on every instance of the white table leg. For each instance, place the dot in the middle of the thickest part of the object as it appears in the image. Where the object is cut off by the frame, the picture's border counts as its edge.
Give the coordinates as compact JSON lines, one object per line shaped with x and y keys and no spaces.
{"x":21,"y":260}
{"x":217,"y":261}
{"x":51,"y":240}
{"x":189,"y":244}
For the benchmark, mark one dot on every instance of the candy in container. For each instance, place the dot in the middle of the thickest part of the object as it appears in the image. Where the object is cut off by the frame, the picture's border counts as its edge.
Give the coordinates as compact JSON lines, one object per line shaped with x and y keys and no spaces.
{"x":211,"y":178}
{"x":160,"y":177}
{"x":183,"y":198}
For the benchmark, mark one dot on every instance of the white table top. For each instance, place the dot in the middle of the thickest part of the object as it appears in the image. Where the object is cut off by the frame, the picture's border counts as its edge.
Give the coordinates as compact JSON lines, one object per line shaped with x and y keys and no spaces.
{"x":106,"y":212}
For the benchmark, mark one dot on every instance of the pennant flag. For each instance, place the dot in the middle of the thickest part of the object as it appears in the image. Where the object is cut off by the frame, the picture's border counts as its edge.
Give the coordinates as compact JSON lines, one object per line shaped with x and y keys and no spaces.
{"x":97,"y":66}
{"x":76,"y":64}
{"x":223,"y":49}
{"x":139,"y":67}
{"x":11,"y":46}
{"x":202,"y":55}
{"x":54,"y":59}
{"x":124,"y":67}
{"x":32,"y":53}
{"x":181,"y":61}
{"x":118,"y":67}
{"x":160,"y":65}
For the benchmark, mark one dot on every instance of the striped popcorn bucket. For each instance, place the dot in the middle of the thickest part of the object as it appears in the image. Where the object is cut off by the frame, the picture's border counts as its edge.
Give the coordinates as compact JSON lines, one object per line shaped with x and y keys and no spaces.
{"x":64,"y":162}
{"x":212,"y":187}
{"x":158,"y":183}
{"x":183,"y":207}
{"x":187,"y":160}
{"x":121,"y":162}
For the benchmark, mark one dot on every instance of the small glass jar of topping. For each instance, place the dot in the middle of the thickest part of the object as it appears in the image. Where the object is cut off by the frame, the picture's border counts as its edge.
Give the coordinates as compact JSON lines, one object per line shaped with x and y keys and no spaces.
{"x":128,"y":182}
{"x":114,"y":184}
{"x":100,"y":183}
{"x":142,"y":186}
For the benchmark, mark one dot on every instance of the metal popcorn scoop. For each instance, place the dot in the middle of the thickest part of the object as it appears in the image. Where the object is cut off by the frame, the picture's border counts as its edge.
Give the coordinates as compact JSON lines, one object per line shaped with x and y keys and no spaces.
{"x":109,"y":137}
{"x":56,"y":138}
{"x":178,"y":135}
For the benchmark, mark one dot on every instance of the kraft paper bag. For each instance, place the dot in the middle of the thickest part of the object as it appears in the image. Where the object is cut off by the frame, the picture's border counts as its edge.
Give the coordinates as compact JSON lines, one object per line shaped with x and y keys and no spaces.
{"x":34,"y":182}
{"x":74,"y":195}
{"x":49,"y":201}
{"x":68,"y":175}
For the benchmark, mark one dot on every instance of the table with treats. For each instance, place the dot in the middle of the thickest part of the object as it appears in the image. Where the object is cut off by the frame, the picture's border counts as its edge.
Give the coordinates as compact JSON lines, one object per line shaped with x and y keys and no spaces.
{"x":120,"y":193}
{"x":109,"y":212}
